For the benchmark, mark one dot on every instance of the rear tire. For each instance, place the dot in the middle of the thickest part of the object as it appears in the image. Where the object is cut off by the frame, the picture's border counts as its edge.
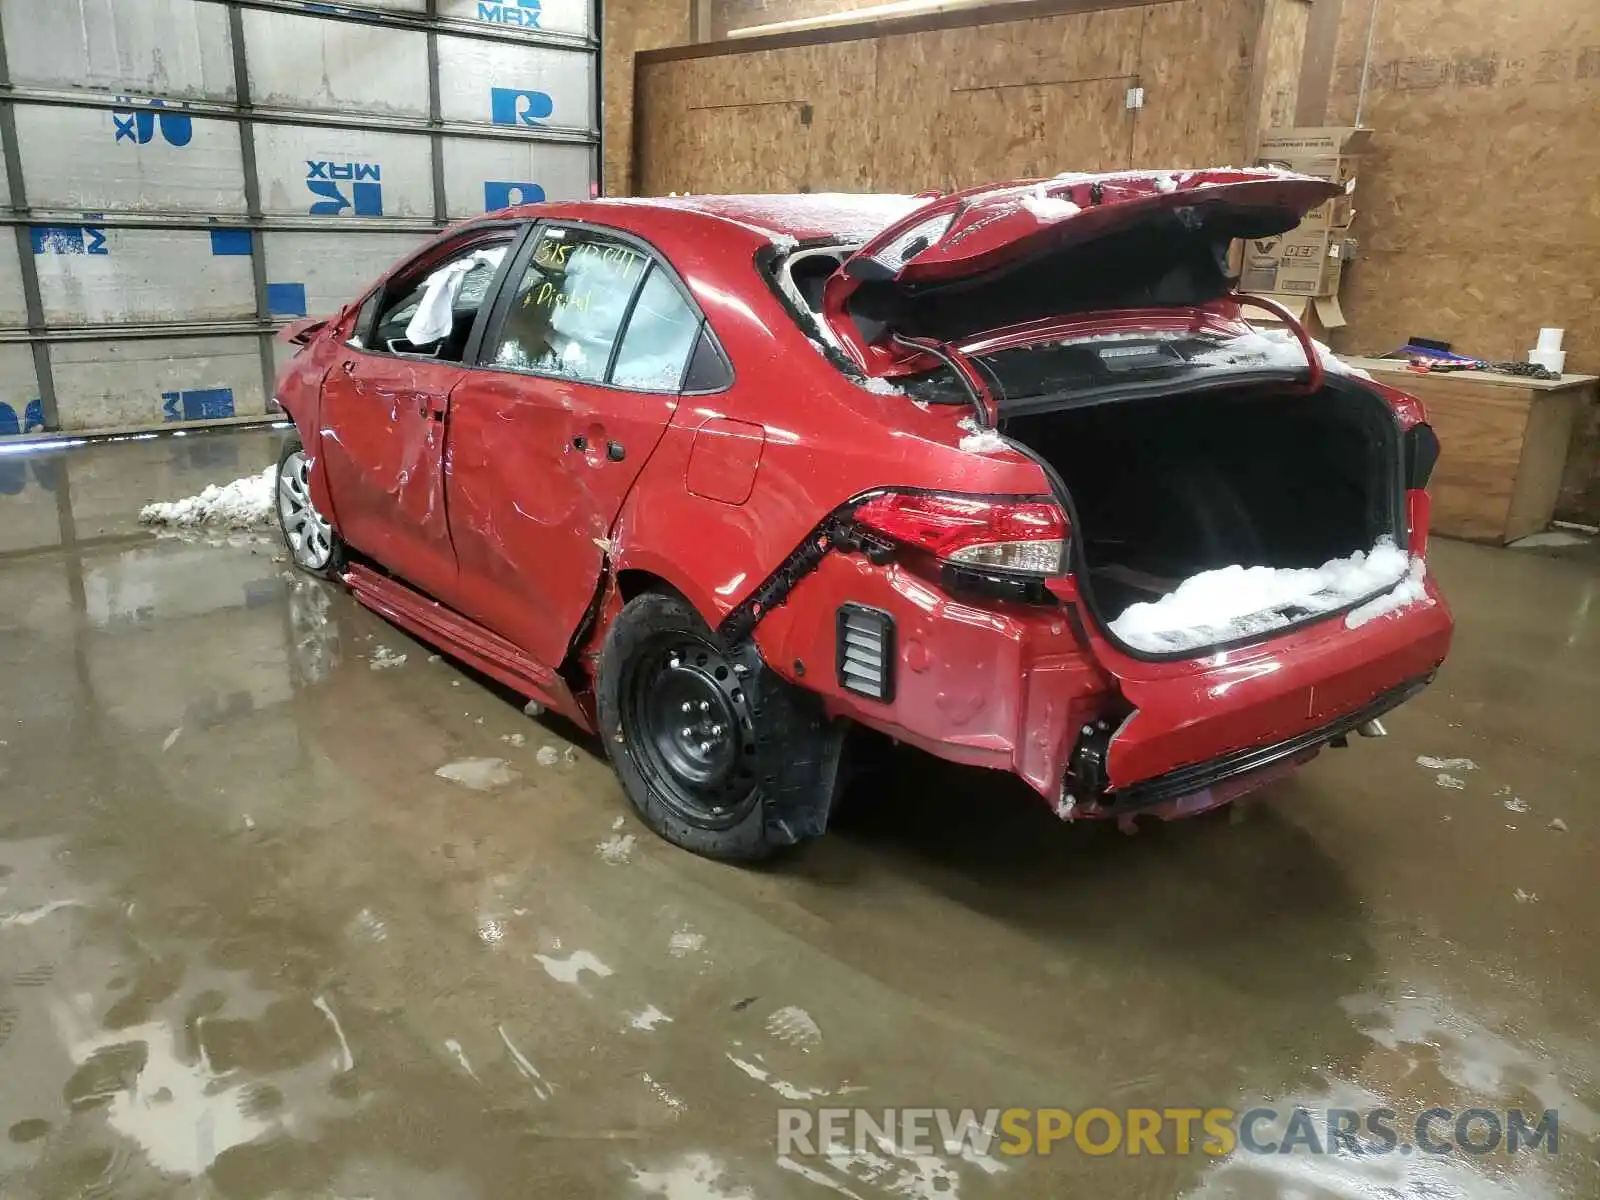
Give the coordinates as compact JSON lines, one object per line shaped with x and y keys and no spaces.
{"x":308,"y":536}
{"x":717,"y":754}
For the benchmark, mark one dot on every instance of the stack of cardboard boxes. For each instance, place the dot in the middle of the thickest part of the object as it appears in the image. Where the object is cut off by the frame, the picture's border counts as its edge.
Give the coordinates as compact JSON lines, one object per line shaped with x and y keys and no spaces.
{"x":1301,"y":269}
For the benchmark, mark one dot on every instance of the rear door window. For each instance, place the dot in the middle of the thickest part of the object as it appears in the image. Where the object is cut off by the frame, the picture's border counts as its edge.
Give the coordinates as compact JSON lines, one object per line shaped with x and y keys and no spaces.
{"x":564,"y":314}
{"x":660,"y":337}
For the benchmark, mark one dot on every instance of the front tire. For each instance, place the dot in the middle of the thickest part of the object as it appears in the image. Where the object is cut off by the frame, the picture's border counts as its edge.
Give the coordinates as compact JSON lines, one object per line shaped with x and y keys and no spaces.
{"x":717,"y":754}
{"x":307,"y":534}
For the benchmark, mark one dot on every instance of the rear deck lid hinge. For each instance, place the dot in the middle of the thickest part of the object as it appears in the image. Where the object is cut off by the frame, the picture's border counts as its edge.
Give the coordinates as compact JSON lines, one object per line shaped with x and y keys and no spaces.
{"x":1313,"y":357}
{"x":984,"y":406}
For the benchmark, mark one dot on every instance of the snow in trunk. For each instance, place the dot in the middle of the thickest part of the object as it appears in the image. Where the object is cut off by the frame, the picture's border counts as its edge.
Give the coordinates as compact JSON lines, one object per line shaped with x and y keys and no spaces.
{"x":242,"y":504}
{"x":1235,"y":602}
{"x":1273,"y":348}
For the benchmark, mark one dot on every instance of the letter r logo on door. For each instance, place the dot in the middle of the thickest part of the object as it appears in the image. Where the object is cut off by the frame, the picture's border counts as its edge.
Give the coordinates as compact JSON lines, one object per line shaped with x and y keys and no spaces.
{"x":512,"y":106}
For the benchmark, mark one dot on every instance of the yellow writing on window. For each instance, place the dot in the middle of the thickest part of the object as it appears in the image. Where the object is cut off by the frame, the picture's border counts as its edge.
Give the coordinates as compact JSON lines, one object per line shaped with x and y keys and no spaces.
{"x":549,"y":295}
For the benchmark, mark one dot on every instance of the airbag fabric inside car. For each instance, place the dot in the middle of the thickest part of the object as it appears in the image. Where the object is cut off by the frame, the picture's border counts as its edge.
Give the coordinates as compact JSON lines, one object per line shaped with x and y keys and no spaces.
{"x":1005,"y":475}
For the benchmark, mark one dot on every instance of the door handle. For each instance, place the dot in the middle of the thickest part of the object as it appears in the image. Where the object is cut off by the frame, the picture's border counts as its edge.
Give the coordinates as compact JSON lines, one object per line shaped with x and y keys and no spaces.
{"x":348,"y":366}
{"x":615,"y":451}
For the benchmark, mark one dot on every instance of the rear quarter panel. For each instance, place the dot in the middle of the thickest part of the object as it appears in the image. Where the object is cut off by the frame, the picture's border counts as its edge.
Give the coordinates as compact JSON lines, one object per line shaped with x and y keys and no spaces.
{"x":826,"y":440}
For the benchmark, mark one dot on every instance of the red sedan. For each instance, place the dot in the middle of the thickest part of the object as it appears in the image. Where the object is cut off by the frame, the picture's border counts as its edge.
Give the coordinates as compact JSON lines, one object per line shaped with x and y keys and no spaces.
{"x":1003,"y":474}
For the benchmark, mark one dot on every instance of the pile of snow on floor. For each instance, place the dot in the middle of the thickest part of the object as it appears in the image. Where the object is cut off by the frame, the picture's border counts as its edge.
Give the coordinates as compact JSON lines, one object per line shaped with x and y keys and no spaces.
{"x":1237,"y":602}
{"x":242,"y":504}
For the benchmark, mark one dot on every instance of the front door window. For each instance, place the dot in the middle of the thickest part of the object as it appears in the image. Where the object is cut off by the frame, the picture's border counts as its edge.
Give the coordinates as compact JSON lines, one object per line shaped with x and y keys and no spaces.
{"x":431,"y":314}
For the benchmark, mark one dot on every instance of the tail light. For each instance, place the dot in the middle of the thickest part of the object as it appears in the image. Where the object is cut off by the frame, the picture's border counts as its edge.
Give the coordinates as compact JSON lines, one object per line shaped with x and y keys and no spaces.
{"x":1022,"y":535}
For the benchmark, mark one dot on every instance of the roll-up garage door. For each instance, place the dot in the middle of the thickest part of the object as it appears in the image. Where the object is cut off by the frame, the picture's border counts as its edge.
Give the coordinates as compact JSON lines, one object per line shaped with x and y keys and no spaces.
{"x":180,"y":178}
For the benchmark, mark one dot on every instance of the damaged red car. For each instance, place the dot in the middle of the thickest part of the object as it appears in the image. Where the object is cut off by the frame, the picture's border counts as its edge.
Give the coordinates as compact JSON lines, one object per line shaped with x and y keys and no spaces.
{"x":1003,"y":474}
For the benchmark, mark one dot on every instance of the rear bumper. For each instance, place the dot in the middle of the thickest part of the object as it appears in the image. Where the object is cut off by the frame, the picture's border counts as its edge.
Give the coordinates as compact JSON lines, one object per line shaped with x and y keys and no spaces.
{"x":1016,"y":687}
{"x":1278,"y":691}
{"x":1186,"y":781}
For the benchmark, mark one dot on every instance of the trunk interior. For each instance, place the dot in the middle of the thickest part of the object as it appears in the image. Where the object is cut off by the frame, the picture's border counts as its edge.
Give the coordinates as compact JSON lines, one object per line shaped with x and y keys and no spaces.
{"x":1170,"y":487}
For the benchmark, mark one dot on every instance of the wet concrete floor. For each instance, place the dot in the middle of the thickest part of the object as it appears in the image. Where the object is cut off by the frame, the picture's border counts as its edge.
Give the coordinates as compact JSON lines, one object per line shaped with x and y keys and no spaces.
{"x":252,"y":945}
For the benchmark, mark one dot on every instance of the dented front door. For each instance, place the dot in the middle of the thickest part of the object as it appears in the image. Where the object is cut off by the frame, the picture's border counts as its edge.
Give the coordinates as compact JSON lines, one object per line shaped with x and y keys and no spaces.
{"x":383,"y":432}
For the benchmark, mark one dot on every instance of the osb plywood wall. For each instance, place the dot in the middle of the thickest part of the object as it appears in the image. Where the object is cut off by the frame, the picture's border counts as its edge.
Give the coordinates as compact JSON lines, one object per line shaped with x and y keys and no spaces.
{"x":948,"y":107}
{"x":1283,"y":37}
{"x":1479,"y":205}
{"x":629,"y":26}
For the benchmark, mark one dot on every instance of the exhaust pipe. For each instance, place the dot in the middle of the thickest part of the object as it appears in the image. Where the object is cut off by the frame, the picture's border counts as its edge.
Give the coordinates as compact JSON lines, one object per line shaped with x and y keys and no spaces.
{"x":1372,"y":729}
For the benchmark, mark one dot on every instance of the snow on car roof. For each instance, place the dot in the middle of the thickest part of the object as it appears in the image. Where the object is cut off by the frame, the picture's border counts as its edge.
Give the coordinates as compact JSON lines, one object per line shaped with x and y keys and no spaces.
{"x":805,"y":217}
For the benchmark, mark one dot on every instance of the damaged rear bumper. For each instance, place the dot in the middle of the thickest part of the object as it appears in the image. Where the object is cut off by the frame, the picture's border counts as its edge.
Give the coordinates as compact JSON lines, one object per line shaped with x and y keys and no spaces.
{"x":1193,"y":780}
{"x":1026,"y":687}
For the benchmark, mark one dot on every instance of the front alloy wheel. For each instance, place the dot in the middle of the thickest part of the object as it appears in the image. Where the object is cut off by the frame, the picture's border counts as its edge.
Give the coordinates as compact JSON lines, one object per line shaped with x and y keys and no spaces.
{"x":307,"y":533}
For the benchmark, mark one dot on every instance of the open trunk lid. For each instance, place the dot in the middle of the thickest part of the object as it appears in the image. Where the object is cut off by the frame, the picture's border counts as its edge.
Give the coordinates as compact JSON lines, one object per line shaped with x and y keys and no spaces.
{"x":1040,"y":246}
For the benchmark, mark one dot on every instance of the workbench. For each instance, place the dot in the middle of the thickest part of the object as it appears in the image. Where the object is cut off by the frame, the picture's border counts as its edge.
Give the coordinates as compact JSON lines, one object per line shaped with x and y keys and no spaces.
{"x":1503,"y":444}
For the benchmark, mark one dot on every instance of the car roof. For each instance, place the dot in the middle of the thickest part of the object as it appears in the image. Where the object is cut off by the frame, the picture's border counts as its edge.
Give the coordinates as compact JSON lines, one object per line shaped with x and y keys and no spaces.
{"x":804,"y":217}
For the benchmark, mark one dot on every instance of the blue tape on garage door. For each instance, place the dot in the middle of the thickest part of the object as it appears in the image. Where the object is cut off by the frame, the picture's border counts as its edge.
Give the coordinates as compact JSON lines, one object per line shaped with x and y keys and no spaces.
{"x":230,"y":241}
{"x":202,"y":404}
{"x":286,"y":299}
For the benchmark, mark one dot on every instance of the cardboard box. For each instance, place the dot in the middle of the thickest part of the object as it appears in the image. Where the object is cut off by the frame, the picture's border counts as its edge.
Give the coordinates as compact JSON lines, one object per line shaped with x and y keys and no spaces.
{"x":1332,"y":153}
{"x":1307,"y":261}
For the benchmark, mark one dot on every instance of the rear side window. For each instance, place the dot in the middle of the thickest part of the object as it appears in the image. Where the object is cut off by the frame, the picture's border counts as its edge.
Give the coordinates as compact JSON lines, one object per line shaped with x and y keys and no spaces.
{"x":708,"y":368}
{"x":565,"y":313}
{"x":662,"y":330}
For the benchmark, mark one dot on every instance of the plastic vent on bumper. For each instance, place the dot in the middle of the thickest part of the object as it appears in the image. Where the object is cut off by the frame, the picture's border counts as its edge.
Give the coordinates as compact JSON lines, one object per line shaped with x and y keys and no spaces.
{"x":866,"y":651}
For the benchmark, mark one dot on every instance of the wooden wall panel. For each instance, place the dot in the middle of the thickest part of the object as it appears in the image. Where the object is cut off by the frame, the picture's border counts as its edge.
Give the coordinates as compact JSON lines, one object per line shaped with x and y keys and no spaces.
{"x":1197,"y":60}
{"x":949,"y":107}
{"x":1316,"y":65}
{"x":1478,"y":215}
{"x":780,"y":122}
{"x":1035,"y":130}
{"x":630,"y":25}
{"x":1282,"y":43}
{"x":712,"y":130}
{"x":846,"y":134}
{"x":948,"y":99}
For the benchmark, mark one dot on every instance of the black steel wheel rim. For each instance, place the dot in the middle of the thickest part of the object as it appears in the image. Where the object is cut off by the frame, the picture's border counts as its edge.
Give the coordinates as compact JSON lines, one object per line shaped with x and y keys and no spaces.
{"x":686,"y":721}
